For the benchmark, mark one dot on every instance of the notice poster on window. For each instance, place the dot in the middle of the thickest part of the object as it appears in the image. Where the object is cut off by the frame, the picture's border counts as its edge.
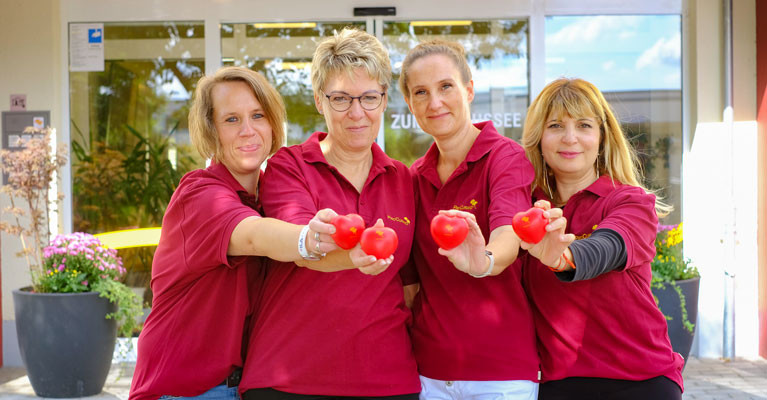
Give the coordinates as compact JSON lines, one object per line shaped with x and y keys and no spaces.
{"x":86,"y":47}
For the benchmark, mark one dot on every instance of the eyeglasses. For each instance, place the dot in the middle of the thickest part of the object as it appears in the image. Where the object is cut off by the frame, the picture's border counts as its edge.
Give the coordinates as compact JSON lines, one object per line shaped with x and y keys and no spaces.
{"x":369,"y":100}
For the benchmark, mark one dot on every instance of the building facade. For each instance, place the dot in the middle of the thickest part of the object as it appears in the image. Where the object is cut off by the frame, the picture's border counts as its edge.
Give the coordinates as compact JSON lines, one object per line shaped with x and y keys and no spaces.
{"x":116,"y":74}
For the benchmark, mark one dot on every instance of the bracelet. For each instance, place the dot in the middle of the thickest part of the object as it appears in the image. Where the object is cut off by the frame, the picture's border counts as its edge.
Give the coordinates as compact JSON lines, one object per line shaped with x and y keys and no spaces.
{"x":567,"y":260}
{"x":561,"y":267}
{"x":489,"y":255}
{"x":302,"y":245}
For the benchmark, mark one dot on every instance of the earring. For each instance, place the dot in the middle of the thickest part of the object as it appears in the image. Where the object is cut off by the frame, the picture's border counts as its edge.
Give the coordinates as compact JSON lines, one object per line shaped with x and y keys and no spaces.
{"x":546,"y":181}
{"x":597,"y":166}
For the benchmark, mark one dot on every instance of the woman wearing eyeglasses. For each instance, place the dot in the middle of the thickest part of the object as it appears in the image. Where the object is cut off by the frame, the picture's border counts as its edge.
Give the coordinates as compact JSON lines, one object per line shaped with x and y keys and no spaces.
{"x":342,"y":333}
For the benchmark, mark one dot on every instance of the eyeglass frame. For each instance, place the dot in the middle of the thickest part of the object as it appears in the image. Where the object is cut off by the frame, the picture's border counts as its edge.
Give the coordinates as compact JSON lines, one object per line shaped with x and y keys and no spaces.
{"x":359,"y":100}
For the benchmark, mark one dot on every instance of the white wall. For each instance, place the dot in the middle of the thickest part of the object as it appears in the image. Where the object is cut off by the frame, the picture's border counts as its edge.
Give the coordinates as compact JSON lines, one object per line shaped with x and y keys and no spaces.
{"x":32,"y":49}
{"x":30,"y":60}
{"x":720,"y":196}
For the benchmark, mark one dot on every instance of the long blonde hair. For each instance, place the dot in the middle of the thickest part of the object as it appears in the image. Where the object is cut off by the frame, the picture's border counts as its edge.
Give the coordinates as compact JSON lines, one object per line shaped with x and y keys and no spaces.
{"x":578,"y":98}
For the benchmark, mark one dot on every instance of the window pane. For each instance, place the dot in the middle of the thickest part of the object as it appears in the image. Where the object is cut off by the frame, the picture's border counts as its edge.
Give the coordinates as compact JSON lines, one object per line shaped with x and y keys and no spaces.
{"x":130,"y":141}
{"x":283,"y":53}
{"x":635,"y":60}
{"x":497,"y":54}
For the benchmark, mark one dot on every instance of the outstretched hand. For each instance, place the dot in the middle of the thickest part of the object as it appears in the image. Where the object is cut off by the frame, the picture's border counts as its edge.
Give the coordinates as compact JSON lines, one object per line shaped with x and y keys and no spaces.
{"x":555,"y":242}
{"x":368,"y":264}
{"x":468,"y":256}
{"x":318,"y":239}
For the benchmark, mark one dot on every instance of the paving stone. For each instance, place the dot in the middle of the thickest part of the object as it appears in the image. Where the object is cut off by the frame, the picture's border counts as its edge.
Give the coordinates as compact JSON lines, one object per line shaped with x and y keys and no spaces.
{"x":705,"y":379}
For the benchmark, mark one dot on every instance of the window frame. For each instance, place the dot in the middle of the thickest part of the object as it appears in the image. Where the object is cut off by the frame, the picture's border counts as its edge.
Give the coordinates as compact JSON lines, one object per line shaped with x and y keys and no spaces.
{"x":214,"y":14}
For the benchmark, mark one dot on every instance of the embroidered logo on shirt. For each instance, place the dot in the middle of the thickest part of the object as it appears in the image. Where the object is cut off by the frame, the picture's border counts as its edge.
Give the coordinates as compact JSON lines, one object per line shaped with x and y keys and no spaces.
{"x":585,"y":235}
{"x":404,"y":220}
{"x":464,"y":208}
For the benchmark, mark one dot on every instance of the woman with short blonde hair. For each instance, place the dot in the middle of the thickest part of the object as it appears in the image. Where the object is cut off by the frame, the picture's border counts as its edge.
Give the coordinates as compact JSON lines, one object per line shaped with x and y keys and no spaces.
{"x":341,"y":334}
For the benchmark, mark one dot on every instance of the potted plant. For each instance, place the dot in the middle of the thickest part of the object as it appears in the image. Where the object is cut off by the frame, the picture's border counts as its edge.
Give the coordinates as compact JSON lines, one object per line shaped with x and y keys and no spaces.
{"x":67,"y":320}
{"x":675,"y":284}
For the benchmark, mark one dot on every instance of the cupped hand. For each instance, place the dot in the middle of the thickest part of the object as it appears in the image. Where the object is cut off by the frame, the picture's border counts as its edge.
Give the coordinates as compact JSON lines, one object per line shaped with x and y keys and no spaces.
{"x":468,"y":256}
{"x":366,"y":263}
{"x":555,"y":242}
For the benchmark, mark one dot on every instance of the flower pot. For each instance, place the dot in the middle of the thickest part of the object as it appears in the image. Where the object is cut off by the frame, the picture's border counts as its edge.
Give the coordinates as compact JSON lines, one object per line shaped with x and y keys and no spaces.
{"x":670,"y":304}
{"x":66,"y":344}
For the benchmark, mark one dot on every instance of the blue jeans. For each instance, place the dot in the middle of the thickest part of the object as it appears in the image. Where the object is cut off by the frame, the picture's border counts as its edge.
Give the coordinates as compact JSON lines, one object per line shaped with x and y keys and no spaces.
{"x":220,"y":392}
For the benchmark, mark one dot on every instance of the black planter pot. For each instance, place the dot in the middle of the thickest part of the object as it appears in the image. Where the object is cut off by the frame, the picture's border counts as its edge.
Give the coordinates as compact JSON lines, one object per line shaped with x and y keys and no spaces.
{"x":65,"y":341}
{"x":670,"y":304}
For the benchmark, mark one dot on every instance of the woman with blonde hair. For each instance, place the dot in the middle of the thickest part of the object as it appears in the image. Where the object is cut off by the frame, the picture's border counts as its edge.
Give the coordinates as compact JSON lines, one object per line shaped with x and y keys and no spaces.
{"x":473,"y":331}
{"x":203,"y":282}
{"x":600,"y":333}
{"x":344,"y":333}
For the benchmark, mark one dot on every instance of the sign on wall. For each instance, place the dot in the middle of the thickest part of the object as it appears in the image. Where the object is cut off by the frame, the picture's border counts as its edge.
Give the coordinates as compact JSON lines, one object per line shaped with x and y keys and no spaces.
{"x":86,"y":47}
{"x":14,"y":123}
{"x":18,"y":102}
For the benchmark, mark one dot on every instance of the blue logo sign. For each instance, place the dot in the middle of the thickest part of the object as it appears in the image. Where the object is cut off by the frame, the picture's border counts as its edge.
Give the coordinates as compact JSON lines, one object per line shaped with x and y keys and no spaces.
{"x":94,"y":35}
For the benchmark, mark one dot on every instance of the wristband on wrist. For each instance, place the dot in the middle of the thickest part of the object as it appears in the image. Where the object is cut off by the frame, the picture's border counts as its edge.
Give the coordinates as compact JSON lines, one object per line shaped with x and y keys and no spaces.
{"x":302,"y":245}
{"x":567,"y":260}
{"x":560,"y":267}
{"x":489,"y":255}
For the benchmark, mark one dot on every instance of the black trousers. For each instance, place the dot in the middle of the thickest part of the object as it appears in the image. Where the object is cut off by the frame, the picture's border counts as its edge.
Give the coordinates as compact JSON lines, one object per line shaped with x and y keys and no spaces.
{"x":659,"y":388}
{"x":271,"y":394}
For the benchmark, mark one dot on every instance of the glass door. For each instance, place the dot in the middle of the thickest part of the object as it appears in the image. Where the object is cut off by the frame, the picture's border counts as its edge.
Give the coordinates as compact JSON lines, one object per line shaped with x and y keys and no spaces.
{"x":283,"y":53}
{"x":497,"y":53}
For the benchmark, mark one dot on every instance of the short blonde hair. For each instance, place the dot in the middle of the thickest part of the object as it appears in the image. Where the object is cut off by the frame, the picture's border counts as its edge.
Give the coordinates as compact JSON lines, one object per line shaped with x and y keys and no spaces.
{"x":452,"y":50}
{"x":577,"y":99}
{"x":201,"y":127}
{"x":346,"y":51}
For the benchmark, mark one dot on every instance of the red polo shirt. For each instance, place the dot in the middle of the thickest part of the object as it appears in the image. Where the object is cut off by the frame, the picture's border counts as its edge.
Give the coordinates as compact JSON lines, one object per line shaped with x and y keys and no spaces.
{"x":341,"y":333}
{"x":467,"y":328}
{"x":608,"y":326}
{"x":193,"y":338}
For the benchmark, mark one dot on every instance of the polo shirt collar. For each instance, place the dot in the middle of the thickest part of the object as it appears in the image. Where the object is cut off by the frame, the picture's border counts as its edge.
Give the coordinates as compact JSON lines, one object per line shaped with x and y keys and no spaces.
{"x":485,"y":141}
{"x":220,"y":171}
{"x":312,"y":153}
{"x":601,"y":187}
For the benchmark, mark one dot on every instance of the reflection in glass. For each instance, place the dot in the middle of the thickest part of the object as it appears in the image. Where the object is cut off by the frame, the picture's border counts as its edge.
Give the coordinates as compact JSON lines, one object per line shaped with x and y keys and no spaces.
{"x":130,"y":142}
{"x":497,"y":54}
{"x":636,"y":61}
{"x":283,"y":53}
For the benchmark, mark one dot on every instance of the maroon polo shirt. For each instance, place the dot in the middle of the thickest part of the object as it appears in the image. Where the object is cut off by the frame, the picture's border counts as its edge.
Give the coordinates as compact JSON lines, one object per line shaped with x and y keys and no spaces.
{"x":192,"y":339}
{"x":608,"y":326}
{"x":467,"y":328}
{"x":341,"y":333}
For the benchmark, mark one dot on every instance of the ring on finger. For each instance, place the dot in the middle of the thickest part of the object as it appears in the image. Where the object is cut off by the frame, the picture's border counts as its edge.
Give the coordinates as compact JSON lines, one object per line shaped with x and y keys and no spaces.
{"x":317,"y":238}
{"x":317,"y":245}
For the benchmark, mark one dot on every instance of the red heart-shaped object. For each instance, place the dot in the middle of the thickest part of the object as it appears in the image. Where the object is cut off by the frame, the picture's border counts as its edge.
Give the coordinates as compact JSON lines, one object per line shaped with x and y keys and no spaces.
{"x":348,"y":230}
{"x":530,"y":225}
{"x":448,"y":231}
{"x":380,"y":242}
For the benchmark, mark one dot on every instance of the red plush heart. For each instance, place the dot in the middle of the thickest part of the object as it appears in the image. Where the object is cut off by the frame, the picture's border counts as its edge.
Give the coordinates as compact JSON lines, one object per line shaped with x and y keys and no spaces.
{"x":530,"y":225}
{"x":448,"y":232}
{"x":379,"y":242}
{"x":348,"y":230}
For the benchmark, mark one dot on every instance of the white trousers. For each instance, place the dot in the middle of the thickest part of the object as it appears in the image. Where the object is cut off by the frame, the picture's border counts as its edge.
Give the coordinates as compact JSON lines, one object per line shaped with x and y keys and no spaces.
{"x":433,"y":389}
